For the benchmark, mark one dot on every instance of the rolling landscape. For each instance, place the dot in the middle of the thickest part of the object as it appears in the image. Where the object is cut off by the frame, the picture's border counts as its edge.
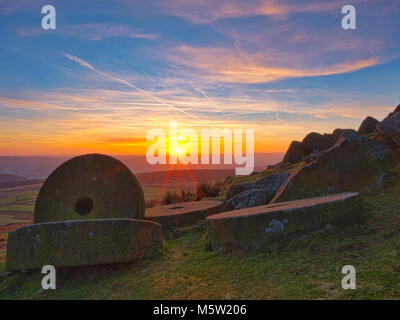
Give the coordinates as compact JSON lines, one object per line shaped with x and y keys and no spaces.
{"x":306,"y":266}
{"x":199,"y":150}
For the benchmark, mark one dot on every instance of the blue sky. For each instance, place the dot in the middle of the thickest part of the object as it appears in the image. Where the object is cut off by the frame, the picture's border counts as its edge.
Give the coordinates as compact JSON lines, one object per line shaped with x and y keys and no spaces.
{"x":114,"y":69}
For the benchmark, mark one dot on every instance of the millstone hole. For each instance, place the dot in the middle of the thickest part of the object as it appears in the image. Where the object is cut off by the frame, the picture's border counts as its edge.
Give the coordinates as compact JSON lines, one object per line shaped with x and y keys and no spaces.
{"x":84,"y":206}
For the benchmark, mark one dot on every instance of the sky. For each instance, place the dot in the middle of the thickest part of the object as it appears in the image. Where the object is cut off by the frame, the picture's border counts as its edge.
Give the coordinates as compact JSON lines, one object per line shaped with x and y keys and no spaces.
{"x":112,"y":70}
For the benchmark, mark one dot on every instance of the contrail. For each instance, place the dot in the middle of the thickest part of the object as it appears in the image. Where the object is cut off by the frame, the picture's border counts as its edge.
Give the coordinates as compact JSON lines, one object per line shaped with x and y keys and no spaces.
{"x":209,"y":99}
{"x":85,"y":64}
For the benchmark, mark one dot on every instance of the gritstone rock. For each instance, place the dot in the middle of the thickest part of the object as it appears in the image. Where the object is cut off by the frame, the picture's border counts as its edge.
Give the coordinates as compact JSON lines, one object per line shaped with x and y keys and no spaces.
{"x":86,"y":213}
{"x":255,"y":228}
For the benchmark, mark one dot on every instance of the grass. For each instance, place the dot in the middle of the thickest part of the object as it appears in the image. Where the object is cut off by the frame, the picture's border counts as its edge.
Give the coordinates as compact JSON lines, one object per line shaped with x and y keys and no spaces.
{"x":156,"y":193}
{"x":308,"y":267}
{"x":21,"y":202}
{"x":305,"y":268}
{"x":13,"y":217}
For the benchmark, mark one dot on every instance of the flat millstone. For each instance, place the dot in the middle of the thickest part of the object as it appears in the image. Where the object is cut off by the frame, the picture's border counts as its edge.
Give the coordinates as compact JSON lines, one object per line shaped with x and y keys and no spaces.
{"x":255,"y":228}
{"x":91,"y":186}
{"x":82,"y":243}
{"x":175,"y":215}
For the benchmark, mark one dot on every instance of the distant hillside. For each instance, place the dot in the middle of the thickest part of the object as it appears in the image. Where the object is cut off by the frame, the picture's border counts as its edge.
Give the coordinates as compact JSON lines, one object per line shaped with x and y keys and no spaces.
{"x":25,"y":182}
{"x":10,"y":177}
{"x":39,"y":167}
{"x":182,"y":178}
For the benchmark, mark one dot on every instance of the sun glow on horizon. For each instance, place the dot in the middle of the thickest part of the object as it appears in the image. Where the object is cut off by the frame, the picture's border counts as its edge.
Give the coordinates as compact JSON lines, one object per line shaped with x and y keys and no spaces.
{"x":178,"y":150}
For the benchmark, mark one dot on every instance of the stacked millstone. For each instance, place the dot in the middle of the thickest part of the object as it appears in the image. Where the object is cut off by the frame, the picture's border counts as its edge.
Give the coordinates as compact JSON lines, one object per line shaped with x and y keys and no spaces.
{"x":89,"y":211}
{"x":256,"y":228}
{"x":175,"y":215}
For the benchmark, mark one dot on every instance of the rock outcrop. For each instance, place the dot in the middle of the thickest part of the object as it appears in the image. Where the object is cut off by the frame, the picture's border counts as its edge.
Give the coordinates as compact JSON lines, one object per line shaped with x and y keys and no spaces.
{"x":368,"y":126}
{"x":311,"y":143}
{"x":353,"y":163}
{"x":244,"y":195}
{"x":295,"y":153}
{"x":389,"y":130}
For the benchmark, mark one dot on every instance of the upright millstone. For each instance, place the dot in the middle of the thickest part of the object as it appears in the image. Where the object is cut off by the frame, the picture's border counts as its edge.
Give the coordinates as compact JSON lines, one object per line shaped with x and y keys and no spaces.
{"x":88,"y":212}
{"x":256,"y":228}
{"x":92,"y":186}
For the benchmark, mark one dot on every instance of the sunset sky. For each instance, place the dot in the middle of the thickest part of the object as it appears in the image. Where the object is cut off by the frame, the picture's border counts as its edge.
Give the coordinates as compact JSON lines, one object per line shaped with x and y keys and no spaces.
{"x":112,"y":70}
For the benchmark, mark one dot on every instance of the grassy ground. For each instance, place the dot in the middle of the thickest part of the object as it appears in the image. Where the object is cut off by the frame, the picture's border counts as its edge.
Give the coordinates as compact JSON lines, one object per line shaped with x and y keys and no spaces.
{"x":305,"y":268}
{"x":23,"y":201}
{"x":155,"y":193}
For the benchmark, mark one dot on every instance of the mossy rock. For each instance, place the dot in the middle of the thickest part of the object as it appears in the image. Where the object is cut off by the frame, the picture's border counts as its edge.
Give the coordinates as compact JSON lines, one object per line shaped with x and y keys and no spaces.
{"x":92,"y":186}
{"x":82,"y":243}
{"x":258,"y":228}
{"x":354,"y":163}
{"x":175,"y":215}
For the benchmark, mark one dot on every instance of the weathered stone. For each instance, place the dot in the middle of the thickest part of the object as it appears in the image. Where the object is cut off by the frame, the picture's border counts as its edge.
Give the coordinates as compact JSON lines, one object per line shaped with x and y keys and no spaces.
{"x":256,"y":228}
{"x":81,"y":243}
{"x":273,"y":181}
{"x":355,"y":162}
{"x":340,"y":132}
{"x":249,"y":198}
{"x":258,"y":193}
{"x":311,"y":143}
{"x":368,"y":126}
{"x":240,"y":187}
{"x":312,"y":156}
{"x":91,"y":186}
{"x":389,"y":131}
{"x":315,"y":141}
{"x":174,"y":215}
{"x":295,"y":153}
{"x":103,"y":192}
{"x":397,"y":109}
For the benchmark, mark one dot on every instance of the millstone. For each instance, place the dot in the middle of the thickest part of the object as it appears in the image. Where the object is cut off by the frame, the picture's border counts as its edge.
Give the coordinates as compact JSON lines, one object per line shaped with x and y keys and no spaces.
{"x":86,"y":213}
{"x":91,"y":186}
{"x":175,"y":215}
{"x":255,"y":228}
{"x":82,"y":243}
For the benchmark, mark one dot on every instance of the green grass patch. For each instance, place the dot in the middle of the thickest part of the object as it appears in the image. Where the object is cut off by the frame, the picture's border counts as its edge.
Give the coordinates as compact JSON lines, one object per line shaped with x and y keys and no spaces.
{"x":13,"y":218}
{"x":18,"y":208}
{"x":156,"y":193}
{"x":24,"y":201}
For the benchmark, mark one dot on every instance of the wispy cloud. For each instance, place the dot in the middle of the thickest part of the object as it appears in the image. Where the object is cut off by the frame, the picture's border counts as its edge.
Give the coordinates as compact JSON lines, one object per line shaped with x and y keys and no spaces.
{"x":231,"y":66}
{"x":92,"y":31}
{"x":126,"y":83}
{"x":204,"y":11}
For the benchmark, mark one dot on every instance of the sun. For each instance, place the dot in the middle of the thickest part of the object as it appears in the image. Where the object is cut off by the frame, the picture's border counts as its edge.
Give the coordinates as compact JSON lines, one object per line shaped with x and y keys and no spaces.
{"x":178,"y":150}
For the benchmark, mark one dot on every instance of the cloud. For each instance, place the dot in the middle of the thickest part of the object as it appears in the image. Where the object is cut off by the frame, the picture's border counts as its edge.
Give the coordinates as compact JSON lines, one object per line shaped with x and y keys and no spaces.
{"x":126,"y":83}
{"x":92,"y":31}
{"x":126,"y":141}
{"x":29,"y":104}
{"x":205,"y":11}
{"x":221,"y":64}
